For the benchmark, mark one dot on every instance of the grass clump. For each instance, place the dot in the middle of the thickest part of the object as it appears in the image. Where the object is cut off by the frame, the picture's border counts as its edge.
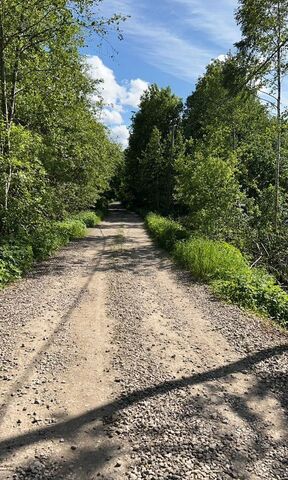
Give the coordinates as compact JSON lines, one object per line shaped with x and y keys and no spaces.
{"x":208,"y":260}
{"x":165,"y":231}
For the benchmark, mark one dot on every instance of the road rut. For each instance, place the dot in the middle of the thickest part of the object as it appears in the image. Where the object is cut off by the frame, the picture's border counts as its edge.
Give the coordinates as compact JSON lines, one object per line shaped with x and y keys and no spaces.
{"x":116,"y":365}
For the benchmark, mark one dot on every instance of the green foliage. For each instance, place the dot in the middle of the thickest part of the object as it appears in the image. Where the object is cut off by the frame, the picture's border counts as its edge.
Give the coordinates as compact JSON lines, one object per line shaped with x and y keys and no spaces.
{"x":15,"y":259}
{"x":55,"y":156}
{"x":224,"y":267}
{"x":165,"y":231}
{"x":151,"y":152}
{"x":208,"y":260}
{"x":256,"y":291}
{"x":208,"y":187}
{"x":90,"y":219}
{"x":50,"y":236}
{"x":70,"y":229}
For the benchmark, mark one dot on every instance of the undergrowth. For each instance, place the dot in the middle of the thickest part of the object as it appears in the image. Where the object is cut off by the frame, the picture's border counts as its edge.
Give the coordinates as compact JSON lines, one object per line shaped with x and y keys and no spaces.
{"x":224,"y":267}
{"x":165,"y":231}
{"x":18,"y":255}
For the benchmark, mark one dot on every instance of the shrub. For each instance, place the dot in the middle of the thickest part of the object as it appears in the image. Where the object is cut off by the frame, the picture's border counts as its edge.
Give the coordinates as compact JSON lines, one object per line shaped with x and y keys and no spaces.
{"x":208,"y":260}
{"x":90,"y":219}
{"x":45,"y":240}
{"x":165,"y":231}
{"x":49,"y":237}
{"x":257,"y":291}
{"x":15,"y":259}
{"x":70,"y":229}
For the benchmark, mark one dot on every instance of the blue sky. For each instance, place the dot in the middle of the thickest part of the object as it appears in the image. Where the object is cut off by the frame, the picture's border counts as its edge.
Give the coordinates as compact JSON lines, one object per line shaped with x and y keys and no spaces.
{"x":165,"y":41}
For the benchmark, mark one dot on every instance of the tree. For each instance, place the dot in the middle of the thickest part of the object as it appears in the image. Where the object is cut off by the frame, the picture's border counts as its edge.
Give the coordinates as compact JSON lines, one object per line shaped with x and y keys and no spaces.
{"x":225,"y":119}
{"x":55,"y":157}
{"x":207,"y":185}
{"x":159,"y":109}
{"x":264,"y":25}
{"x":42,"y":78}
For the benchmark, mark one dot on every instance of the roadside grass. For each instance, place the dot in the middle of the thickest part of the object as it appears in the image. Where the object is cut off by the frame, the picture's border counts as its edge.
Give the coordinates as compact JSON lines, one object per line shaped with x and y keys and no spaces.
{"x":18,"y":255}
{"x":209,"y":260}
{"x":224,"y":267}
{"x":165,"y":231}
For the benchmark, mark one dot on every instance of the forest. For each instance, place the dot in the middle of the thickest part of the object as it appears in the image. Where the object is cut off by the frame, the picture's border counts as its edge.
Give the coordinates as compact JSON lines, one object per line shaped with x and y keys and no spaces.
{"x":56,"y":158}
{"x":217,"y":165}
{"x":143,"y":285}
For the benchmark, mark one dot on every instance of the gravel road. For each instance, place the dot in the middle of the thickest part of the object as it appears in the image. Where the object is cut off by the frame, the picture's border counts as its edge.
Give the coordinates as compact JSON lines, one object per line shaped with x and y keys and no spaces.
{"x":115,"y":365}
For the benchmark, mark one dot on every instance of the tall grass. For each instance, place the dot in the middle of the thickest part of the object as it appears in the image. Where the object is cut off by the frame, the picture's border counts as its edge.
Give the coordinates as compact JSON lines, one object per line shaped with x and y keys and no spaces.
{"x":165,"y":231}
{"x":224,"y":267}
{"x":208,"y":260}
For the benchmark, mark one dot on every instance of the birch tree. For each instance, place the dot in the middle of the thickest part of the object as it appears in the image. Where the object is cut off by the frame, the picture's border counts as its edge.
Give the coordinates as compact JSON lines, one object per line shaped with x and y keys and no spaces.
{"x":264,"y":25}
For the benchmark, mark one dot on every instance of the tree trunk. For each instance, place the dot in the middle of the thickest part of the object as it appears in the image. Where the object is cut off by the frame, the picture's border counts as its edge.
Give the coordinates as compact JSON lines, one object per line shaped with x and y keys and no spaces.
{"x":279,"y":126}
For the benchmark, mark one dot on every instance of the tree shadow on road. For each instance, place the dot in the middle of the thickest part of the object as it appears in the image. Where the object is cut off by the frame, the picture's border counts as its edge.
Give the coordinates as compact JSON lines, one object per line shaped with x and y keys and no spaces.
{"x":97,"y":456}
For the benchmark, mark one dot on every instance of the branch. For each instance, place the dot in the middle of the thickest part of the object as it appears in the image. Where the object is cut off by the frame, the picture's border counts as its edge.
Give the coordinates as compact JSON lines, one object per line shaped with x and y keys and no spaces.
{"x":265,"y":63}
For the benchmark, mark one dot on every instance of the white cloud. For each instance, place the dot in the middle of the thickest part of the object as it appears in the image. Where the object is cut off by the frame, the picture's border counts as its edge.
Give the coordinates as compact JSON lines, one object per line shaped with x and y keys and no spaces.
{"x":110,"y":90}
{"x":114,"y":94}
{"x":171,"y":46}
{"x":111,"y":117}
{"x":171,"y":53}
{"x":118,"y":98}
{"x":120,"y":134}
{"x":133,"y":92}
{"x":214,"y":19}
{"x":222,"y":58}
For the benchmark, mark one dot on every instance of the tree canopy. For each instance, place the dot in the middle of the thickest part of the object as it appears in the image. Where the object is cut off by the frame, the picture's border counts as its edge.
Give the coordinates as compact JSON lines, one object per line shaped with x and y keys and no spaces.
{"x":55,"y":156}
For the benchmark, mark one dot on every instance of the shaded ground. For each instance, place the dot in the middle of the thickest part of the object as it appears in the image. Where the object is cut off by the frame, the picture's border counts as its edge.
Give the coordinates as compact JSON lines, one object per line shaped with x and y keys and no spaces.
{"x":115,"y":365}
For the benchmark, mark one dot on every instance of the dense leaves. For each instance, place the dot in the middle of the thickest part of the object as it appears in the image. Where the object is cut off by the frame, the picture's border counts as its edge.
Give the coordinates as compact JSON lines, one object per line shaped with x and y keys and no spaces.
{"x":55,"y":157}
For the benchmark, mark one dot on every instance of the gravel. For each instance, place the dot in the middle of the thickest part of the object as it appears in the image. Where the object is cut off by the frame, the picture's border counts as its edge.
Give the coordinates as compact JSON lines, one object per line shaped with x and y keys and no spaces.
{"x":198,"y":388}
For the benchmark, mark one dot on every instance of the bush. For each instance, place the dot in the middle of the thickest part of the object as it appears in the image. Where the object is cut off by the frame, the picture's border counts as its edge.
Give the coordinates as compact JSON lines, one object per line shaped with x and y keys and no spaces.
{"x":257,"y":291}
{"x":49,"y":237}
{"x":165,"y":231}
{"x":45,"y":240}
{"x":90,"y":219}
{"x":208,"y":260}
{"x":70,"y":229}
{"x":14,"y":261}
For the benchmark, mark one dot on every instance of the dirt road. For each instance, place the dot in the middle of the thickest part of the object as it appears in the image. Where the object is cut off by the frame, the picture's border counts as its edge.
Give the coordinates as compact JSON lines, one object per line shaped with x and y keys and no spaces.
{"x":115,"y":365}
